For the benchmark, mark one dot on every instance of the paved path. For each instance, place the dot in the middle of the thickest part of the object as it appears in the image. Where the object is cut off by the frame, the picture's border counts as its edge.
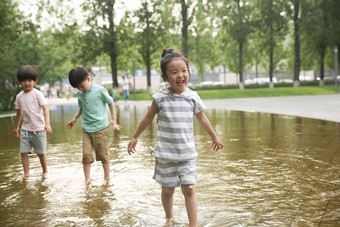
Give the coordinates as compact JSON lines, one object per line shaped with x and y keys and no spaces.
{"x":324,"y":107}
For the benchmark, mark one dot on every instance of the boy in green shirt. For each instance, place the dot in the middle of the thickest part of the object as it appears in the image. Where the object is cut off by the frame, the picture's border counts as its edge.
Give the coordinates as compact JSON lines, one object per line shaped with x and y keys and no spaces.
{"x":92,"y":101}
{"x":115,"y":93}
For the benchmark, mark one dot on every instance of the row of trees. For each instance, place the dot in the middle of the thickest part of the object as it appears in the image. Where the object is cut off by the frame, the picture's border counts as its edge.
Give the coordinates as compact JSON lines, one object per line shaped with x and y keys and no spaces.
{"x":261,"y":35}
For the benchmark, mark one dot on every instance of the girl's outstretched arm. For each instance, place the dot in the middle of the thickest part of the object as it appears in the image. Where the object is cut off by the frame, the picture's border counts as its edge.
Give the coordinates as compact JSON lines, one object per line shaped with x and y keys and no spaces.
{"x":147,"y":119}
{"x":203,"y":120}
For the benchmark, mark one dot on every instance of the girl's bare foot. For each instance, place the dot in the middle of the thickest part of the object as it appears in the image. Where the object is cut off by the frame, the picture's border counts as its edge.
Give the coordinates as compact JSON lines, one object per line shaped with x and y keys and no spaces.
{"x":169,"y":222}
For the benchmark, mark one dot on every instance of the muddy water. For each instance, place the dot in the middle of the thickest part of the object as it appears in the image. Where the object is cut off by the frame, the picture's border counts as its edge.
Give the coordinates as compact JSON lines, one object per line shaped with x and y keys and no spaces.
{"x":274,"y":171}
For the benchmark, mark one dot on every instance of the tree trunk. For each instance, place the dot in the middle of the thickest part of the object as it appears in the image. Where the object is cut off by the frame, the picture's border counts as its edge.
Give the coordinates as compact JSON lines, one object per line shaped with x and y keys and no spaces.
{"x":322,"y":67}
{"x":338,"y":47}
{"x":271,"y":70}
{"x":257,"y":69}
{"x":112,"y":44}
{"x":240,"y":61}
{"x":148,"y":70}
{"x":148,"y":57}
{"x":113,"y":61}
{"x":185,"y":47}
{"x":297,"y":44}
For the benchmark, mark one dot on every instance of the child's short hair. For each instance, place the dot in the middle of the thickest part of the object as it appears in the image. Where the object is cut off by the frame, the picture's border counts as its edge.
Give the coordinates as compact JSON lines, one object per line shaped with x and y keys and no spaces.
{"x":168,"y":55}
{"x":77,"y":75}
{"x":27,"y":72}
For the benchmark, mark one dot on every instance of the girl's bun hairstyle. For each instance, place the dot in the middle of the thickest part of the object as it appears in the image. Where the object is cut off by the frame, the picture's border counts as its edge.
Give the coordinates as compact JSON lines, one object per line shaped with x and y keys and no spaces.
{"x":168,"y":55}
{"x":167,"y":51}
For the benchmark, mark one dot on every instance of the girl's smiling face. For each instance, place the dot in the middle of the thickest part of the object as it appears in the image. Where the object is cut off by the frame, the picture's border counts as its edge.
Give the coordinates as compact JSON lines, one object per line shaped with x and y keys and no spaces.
{"x":177,"y":75}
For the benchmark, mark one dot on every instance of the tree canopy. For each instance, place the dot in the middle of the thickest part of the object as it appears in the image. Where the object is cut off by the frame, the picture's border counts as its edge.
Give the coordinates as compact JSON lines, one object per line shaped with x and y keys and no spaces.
{"x":255,"y":35}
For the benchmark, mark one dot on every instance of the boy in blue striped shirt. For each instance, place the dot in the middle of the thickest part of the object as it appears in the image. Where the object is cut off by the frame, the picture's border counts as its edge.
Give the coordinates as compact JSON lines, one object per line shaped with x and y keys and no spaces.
{"x":174,"y":150}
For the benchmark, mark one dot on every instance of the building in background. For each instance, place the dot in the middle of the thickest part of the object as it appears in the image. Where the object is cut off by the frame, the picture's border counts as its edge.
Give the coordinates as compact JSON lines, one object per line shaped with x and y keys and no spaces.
{"x":104,"y":78}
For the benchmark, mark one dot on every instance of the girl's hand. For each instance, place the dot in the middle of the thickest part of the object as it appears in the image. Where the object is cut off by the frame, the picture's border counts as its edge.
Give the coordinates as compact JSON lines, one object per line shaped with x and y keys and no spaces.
{"x":115,"y":125}
{"x":216,"y":144}
{"x":132,"y":146}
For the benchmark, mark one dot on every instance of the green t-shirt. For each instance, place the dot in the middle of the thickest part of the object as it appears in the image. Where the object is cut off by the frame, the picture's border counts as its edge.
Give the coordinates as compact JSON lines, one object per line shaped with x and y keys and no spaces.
{"x":114,"y":92}
{"x":94,"y":111}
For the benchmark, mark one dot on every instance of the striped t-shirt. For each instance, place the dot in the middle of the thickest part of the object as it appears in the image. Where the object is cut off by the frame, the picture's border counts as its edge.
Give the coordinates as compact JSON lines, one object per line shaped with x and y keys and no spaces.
{"x":175,"y":138}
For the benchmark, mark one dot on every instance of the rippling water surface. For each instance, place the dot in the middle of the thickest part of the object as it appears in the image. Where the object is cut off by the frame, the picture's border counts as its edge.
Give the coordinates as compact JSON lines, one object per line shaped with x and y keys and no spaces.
{"x":274,"y":171}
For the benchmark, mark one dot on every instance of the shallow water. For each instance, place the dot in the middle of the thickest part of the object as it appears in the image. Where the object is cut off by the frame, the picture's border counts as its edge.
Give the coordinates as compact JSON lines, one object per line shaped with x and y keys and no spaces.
{"x":274,"y":170}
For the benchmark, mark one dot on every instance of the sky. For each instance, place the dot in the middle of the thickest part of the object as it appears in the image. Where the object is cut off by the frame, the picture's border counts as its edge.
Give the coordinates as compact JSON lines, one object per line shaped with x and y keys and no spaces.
{"x":121,"y":6}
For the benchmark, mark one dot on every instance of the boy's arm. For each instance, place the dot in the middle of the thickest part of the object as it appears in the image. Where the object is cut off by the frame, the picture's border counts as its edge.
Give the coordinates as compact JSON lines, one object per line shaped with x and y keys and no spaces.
{"x":114,"y":117}
{"x":142,"y":125}
{"x":203,"y":120}
{"x":74,"y":119}
{"x":17,"y":123}
{"x":47,"y":120}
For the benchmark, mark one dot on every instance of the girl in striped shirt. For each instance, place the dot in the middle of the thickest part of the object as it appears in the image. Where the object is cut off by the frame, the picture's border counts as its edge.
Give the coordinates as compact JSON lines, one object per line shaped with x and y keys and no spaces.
{"x":174,"y":150}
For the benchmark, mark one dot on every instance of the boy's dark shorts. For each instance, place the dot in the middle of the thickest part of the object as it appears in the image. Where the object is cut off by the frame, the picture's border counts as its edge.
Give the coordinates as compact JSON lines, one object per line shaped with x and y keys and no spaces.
{"x":99,"y":142}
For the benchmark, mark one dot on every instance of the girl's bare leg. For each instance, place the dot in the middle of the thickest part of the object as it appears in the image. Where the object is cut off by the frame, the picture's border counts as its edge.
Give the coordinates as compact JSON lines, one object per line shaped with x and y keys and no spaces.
{"x":190,"y":203}
{"x":167,"y":201}
{"x":25,"y":164}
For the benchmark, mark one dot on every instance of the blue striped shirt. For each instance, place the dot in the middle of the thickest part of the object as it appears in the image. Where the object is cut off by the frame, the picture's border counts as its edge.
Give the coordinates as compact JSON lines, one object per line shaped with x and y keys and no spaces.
{"x":175,"y":138}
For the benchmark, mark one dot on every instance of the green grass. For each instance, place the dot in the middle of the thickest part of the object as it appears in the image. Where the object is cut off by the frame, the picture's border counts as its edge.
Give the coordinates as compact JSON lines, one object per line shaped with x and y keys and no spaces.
{"x":245,"y":93}
{"x":266,"y":92}
{"x":254,"y":92}
{"x":7,"y":112}
{"x":139,"y":96}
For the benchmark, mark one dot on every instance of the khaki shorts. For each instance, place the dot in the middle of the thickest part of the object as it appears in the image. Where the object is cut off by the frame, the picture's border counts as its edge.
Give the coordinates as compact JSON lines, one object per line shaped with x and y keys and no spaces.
{"x":99,"y":142}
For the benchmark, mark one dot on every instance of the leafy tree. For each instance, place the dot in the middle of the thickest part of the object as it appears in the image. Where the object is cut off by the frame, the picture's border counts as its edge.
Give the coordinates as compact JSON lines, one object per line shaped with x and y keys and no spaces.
{"x":212,"y":45}
{"x":238,"y":23}
{"x":128,"y":40}
{"x":59,"y":41}
{"x":187,"y":19}
{"x":202,"y":40}
{"x":102,"y":36}
{"x":19,"y":40}
{"x":273,"y":28}
{"x":151,"y":33}
{"x":296,"y":4}
{"x":229,"y":49}
{"x":197,"y":41}
{"x":317,"y":34}
{"x":335,"y":29}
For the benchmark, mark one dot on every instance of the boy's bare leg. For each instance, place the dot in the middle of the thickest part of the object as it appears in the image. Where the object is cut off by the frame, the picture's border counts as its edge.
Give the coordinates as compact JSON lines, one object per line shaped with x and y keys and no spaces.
{"x":106,"y":167}
{"x":167,"y":201}
{"x":43,"y":162}
{"x":25,"y":164}
{"x":87,"y":168}
{"x":190,"y":203}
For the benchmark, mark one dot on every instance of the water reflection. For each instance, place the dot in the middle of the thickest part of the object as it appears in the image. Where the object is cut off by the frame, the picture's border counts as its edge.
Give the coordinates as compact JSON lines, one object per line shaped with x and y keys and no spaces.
{"x":274,"y":170}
